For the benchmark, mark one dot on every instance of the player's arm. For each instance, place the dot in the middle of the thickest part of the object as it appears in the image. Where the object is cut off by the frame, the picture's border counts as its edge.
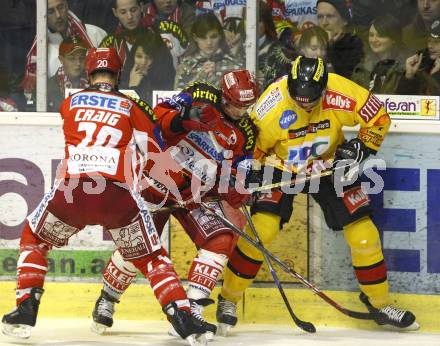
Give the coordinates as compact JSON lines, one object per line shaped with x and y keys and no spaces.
{"x":181,"y":114}
{"x":374,"y":122}
{"x":142,"y":119}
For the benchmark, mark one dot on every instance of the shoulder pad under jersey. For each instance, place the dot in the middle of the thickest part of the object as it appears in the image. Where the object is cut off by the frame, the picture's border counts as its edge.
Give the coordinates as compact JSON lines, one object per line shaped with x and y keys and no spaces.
{"x":249,"y":130}
{"x":204,"y":93}
{"x":145,"y":107}
{"x":107,"y":41}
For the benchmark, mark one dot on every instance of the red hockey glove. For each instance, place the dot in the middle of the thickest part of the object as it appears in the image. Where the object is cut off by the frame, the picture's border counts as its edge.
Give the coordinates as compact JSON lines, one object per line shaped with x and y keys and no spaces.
{"x":200,"y":118}
{"x":234,"y":198}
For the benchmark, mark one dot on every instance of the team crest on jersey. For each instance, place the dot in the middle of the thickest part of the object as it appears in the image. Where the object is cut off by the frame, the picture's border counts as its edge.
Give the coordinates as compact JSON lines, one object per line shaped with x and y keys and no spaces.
{"x":270,"y":101}
{"x":337,"y":101}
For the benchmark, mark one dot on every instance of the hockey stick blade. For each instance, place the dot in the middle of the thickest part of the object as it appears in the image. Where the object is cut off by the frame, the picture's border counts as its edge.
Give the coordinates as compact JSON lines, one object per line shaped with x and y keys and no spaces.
{"x":287,"y":269}
{"x":304,"y":325}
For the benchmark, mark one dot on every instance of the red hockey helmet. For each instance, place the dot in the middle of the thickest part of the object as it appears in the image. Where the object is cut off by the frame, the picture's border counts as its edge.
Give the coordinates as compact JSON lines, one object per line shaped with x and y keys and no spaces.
{"x":103,"y":59}
{"x":239,"y":88}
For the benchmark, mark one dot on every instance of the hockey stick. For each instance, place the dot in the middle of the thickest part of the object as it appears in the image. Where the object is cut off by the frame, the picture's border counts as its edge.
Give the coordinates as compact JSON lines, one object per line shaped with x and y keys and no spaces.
{"x":289,"y":270}
{"x":304,"y":325}
{"x":294,"y":181}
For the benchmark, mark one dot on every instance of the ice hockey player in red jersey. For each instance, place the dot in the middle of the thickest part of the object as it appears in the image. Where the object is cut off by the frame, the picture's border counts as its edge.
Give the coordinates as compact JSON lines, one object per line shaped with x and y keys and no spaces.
{"x":105,"y":132}
{"x":205,"y":125}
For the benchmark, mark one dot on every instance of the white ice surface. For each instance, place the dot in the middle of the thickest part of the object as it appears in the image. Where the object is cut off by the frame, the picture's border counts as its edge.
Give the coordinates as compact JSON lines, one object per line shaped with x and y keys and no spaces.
{"x":64,"y":332}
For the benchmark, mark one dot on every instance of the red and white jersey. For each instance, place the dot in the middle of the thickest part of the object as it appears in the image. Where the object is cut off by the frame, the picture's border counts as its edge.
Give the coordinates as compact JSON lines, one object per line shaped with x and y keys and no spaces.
{"x":195,"y":152}
{"x":104,"y":132}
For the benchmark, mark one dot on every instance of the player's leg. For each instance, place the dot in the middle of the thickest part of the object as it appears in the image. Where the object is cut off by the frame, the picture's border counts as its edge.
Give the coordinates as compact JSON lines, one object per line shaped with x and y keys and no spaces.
{"x":369,"y":266}
{"x":31,"y":272}
{"x":214,"y":241}
{"x":270,"y":212}
{"x":167,"y":287}
{"x":138,"y":242}
{"x":117,"y":277}
{"x":352,"y":214}
{"x":42,"y":231}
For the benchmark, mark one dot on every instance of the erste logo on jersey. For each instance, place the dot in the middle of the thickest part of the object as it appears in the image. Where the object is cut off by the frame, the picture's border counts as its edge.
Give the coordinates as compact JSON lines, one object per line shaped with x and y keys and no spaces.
{"x":339,"y":102}
{"x":287,"y":118}
{"x":370,"y":108}
{"x":308,"y":150}
{"x":108,"y":102}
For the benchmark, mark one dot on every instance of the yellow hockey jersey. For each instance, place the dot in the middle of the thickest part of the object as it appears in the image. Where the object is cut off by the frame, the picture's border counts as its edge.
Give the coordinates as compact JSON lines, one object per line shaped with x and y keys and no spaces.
{"x":298,"y":137}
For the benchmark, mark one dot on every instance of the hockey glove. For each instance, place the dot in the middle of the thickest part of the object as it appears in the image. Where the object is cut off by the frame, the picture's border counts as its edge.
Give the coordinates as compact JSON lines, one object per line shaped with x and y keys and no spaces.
{"x":200,"y":118}
{"x":348,"y":156}
{"x":235,"y":198}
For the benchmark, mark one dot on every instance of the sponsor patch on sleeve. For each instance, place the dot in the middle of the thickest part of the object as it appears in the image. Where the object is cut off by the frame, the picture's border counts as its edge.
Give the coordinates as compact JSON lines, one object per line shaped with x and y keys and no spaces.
{"x":370,"y":108}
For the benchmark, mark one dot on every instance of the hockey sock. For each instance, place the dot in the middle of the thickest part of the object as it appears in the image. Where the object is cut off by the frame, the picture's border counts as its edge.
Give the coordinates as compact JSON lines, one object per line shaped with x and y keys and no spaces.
{"x":367,"y":258}
{"x":31,"y":264}
{"x":118,"y":275}
{"x":246,"y":260}
{"x":205,"y":270}
{"x":158,"y":269}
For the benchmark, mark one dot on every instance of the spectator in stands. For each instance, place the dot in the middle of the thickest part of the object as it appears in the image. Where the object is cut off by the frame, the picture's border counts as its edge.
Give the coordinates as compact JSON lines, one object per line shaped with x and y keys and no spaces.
{"x":287,"y":31}
{"x":273,"y":58}
{"x":313,"y":42}
{"x":345,"y":50}
{"x":422,"y":70}
{"x":148,"y":67}
{"x":176,"y":11}
{"x":235,"y":35}
{"x":70,"y":75}
{"x":365,"y":11}
{"x":414,"y":34}
{"x":61,"y":23}
{"x":131,"y":25}
{"x":17,"y":31}
{"x":96,"y":12}
{"x":7,"y":104}
{"x":301,"y":13}
{"x":129,"y":16}
{"x":384,"y":63}
{"x":208,"y":56}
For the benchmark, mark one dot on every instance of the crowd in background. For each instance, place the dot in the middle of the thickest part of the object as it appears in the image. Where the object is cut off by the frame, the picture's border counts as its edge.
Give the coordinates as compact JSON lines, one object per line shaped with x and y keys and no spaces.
{"x":387,"y":46}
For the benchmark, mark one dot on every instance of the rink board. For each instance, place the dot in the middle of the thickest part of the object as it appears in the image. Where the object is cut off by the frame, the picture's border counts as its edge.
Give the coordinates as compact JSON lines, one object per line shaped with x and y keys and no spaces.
{"x":260,"y":305}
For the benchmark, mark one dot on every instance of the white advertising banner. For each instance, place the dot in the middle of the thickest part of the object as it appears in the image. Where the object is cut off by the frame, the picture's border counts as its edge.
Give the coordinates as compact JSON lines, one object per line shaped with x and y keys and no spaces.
{"x":411,"y":106}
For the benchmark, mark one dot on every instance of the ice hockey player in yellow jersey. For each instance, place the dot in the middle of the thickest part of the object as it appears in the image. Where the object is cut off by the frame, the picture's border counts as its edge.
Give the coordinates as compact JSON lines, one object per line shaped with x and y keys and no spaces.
{"x":299,"y":120}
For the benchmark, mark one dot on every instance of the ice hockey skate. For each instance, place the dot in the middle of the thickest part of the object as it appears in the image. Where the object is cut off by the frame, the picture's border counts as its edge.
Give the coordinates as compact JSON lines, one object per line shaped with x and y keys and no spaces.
{"x":197,"y":306}
{"x":226,"y":315}
{"x":186,"y":326}
{"x":391,"y":317}
{"x":20,"y":321}
{"x":103,"y":313}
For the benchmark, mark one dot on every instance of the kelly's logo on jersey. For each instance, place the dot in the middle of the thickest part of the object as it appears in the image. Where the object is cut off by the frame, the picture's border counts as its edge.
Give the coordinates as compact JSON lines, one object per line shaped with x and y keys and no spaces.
{"x":338,"y":102}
